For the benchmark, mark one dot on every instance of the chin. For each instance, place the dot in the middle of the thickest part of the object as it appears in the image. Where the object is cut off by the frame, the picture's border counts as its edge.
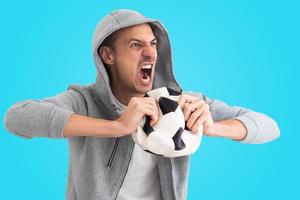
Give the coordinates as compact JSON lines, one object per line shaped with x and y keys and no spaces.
{"x":144,"y":89}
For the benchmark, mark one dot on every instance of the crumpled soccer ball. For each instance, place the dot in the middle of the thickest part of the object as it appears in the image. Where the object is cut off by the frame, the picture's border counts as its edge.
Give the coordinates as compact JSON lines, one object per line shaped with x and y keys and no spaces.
{"x":168,"y":137}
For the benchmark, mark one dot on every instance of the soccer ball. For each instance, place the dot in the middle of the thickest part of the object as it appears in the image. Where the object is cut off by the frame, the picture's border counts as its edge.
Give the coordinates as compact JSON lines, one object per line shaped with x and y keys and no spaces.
{"x":168,"y":137}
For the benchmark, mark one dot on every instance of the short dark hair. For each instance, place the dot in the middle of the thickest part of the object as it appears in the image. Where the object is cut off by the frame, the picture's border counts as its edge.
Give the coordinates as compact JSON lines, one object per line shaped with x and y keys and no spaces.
{"x":109,"y":41}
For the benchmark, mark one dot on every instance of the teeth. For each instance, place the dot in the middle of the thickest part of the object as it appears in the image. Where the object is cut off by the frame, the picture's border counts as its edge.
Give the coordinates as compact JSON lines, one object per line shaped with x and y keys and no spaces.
{"x":146,"y":67}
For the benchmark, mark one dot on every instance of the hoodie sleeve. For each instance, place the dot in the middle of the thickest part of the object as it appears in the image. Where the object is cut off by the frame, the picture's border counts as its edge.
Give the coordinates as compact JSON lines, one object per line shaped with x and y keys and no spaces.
{"x":43,"y":118}
{"x":260,"y":127}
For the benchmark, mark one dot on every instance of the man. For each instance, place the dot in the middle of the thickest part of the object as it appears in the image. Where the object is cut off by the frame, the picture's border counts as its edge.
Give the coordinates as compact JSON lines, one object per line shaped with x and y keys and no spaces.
{"x":132,"y":55}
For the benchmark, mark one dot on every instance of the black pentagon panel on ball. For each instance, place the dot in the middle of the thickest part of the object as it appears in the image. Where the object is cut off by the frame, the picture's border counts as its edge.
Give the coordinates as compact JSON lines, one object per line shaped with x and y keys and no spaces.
{"x":167,"y":105}
{"x":179,"y":144}
{"x":147,"y":128}
{"x":173,"y":92}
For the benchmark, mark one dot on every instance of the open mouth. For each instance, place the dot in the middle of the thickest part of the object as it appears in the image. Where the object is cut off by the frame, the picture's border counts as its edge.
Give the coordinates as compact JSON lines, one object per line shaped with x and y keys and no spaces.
{"x":145,"y":72}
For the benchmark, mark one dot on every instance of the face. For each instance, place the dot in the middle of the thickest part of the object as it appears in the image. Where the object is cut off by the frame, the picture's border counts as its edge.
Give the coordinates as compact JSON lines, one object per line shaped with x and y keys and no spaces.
{"x":133,"y":60}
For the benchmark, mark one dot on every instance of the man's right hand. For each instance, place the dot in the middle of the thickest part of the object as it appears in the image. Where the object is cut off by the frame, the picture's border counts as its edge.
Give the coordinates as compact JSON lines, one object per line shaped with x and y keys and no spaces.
{"x":79,"y":125}
{"x":136,"y":110}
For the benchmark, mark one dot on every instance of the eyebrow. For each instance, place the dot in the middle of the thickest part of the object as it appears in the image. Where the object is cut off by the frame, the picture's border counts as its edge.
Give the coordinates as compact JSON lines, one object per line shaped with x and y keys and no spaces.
{"x":137,"y":40}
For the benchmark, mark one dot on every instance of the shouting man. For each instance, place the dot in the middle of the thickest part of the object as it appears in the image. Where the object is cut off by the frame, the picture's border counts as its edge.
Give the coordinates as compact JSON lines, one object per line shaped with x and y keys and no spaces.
{"x":132,"y":55}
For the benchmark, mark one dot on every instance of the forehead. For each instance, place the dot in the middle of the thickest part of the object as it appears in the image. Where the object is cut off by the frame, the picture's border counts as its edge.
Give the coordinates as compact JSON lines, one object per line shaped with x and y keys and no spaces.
{"x":142,"y":32}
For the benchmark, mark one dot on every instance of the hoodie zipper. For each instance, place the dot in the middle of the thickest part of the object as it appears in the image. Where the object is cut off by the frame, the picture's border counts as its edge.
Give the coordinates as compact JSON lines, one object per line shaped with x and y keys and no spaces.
{"x":113,"y":154}
{"x":127,"y":166}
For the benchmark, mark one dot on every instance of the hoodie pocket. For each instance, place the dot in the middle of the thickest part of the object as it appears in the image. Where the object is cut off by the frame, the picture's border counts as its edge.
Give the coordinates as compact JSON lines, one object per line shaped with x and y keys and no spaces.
{"x":112,"y":154}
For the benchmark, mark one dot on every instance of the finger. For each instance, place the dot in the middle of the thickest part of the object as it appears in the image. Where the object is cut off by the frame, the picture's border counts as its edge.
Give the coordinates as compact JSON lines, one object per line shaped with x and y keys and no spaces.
{"x":154,"y":119}
{"x":148,"y":101}
{"x":151,"y":104}
{"x":151,"y":101}
{"x":183,"y":99}
{"x":151,"y":111}
{"x":196,"y":127}
{"x":147,"y":107}
{"x":209,"y":122}
{"x":195,"y":115}
{"x":202,"y":119}
{"x":188,"y":109}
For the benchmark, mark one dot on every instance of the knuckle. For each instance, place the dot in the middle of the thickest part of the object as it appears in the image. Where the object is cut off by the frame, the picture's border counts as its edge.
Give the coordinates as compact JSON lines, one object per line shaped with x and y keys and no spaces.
{"x":198,"y":121}
{"x":187,"y":112}
{"x":138,"y":106}
{"x":204,"y":116}
{"x":134,"y":100}
{"x":207,"y":112}
{"x":196,"y":127}
{"x":189,"y":107}
{"x":201,"y":101}
{"x":207,"y":115}
{"x":195,"y":114}
{"x":183,"y":95}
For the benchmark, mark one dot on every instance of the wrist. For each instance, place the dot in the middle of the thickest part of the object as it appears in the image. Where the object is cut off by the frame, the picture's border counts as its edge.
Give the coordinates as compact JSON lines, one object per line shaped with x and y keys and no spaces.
{"x":230,"y":128}
{"x":108,"y":128}
{"x":213,"y":130}
{"x":121,"y":129}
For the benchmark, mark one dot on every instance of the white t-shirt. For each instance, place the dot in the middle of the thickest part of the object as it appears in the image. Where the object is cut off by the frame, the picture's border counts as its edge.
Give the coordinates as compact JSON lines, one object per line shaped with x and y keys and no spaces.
{"x":141,"y":181}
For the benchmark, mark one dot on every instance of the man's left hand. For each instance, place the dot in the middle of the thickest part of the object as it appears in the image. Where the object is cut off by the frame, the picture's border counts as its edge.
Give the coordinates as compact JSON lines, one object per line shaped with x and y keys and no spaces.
{"x":196,"y":113}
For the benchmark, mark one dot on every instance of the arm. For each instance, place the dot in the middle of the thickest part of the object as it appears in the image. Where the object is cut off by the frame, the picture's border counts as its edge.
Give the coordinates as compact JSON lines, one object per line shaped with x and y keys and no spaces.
{"x":229,"y":128}
{"x":238,"y":123}
{"x":65,"y":116}
{"x":137,"y":108}
{"x":80,"y":125}
{"x":43,"y":118}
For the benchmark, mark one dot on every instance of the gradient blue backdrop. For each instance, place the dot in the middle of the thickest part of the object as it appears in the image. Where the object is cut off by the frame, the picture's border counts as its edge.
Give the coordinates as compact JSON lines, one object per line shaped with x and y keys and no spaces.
{"x":241,"y":52}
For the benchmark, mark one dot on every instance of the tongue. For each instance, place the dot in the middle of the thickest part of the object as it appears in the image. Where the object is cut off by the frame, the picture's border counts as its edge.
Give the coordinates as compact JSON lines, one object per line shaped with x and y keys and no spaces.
{"x":144,"y":74}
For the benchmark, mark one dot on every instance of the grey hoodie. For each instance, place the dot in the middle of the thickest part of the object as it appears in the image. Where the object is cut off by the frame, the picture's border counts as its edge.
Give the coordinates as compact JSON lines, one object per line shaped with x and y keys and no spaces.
{"x":97,"y":166}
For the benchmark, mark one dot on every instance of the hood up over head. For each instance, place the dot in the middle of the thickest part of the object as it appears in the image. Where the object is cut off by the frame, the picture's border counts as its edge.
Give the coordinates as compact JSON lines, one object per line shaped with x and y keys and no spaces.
{"x":163,"y":75}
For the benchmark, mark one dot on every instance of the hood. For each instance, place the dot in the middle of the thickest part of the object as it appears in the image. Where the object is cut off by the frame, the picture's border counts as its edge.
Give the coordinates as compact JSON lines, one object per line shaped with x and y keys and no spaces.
{"x":163,"y":75}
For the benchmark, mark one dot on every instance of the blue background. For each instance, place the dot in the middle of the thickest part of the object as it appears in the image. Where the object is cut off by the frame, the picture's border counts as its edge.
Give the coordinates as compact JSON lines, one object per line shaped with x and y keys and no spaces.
{"x":242,"y":52}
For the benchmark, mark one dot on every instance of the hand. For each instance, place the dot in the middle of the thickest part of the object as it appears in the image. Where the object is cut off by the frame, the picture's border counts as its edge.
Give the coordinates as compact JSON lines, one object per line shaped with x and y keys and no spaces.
{"x":196,"y":113}
{"x":136,"y":110}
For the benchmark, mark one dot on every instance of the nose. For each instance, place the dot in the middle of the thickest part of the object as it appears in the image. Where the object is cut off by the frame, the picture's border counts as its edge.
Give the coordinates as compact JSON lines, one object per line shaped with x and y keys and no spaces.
{"x":149,"y":51}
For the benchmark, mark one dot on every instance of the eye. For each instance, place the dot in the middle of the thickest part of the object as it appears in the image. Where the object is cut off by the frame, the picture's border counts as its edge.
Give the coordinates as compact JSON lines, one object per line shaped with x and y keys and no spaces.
{"x":136,"y":45}
{"x":154,"y":43}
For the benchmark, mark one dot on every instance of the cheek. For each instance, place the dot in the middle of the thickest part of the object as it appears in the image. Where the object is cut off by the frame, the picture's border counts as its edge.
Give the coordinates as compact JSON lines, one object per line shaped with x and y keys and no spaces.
{"x":130,"y":62}
{"x":126,"y":70}
{"x":128,"y":73}
{"x":128,"y":57}
{"x":127,"y":62}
